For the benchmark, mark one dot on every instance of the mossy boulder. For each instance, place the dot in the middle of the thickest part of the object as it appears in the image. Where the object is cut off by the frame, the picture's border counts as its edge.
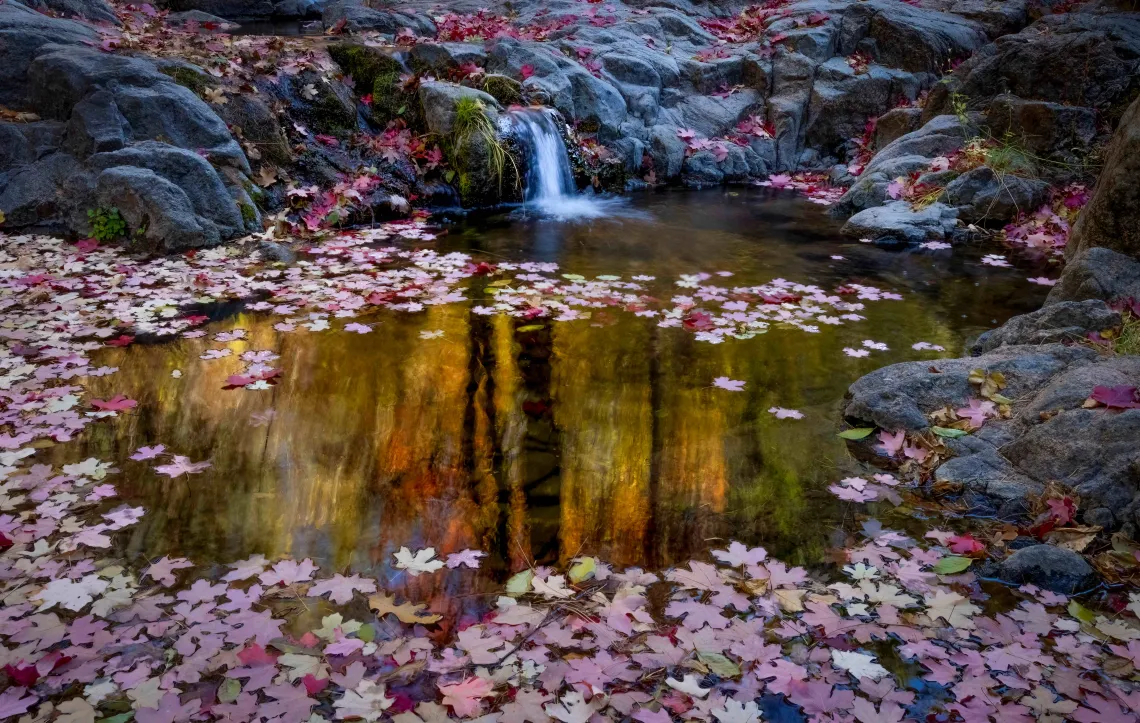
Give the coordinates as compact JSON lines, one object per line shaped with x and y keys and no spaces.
{"x":364,"y":63}
{"x":507,"y":91}
{"x":325,"y":105}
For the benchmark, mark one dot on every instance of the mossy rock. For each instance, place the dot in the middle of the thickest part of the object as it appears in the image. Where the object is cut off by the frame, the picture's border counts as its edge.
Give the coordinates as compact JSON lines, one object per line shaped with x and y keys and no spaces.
{"x":330,"y":110}
{"x":188,"y":77}
{"x":390,"y":102}
{"x":364,"y":64}
{"x":507,"y":91}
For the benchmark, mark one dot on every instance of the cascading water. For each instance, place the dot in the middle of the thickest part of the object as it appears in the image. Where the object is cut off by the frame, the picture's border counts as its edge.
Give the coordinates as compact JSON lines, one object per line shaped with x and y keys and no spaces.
{"x":549,"y":181}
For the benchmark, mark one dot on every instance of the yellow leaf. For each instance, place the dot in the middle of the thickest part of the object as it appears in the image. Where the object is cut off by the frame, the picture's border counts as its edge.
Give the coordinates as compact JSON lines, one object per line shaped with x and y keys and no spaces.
{"x":405,"y":612}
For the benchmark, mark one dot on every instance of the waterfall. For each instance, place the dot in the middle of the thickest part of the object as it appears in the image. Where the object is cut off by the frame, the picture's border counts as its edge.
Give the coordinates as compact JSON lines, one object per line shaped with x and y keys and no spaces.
{"x":548,"y":178}
{"x":550,"y":185}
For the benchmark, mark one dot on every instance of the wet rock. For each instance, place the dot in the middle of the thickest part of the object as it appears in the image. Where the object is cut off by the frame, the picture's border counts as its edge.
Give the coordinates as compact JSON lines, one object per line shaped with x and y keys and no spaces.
{"x":245,"y":9}
{"x":980,"y":195}
{"x":1112,"y":217}
{"x":900,"y":396}
{"x":199,"y":18}
{"x":49,"y":193}
{"x":842,"y":101}
{"x":159,"y":214}
{"x":996,"y":19}
{"x":898,"y":221}
{"x":1066,"y":321}
{"x":703,"y":168}
{"x":251,"y":119}
{"x":1048,"y":567}
{"x":277,"y":252}
{"x":1041,"y":127}
{"x":440,"y":58}
{"x":1097,"y":273}
{"x":1092,"y":450}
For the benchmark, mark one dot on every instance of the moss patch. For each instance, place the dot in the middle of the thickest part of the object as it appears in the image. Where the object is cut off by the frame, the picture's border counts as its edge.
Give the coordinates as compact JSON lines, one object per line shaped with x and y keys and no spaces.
{"x":248,"y":213}
{"x":364,"y":64}
{"x":507,"y":91}
{"x":189,"y":78}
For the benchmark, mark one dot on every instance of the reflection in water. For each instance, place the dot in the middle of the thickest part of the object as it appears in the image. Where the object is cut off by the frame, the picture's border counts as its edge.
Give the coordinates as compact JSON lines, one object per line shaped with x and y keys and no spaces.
{"x":536,"y":441}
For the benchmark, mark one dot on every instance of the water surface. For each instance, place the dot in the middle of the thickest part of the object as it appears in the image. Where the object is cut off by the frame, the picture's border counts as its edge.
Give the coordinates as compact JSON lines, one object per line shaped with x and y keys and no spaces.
{"x":540,"y":441}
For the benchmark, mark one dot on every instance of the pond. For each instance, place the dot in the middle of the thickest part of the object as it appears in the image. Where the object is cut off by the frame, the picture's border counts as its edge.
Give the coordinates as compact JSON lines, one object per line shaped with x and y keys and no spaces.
{"x":539,"y":440}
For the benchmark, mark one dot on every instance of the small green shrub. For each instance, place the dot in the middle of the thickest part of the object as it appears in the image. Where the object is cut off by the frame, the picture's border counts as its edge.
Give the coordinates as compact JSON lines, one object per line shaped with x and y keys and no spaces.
{"x":106,"y":224}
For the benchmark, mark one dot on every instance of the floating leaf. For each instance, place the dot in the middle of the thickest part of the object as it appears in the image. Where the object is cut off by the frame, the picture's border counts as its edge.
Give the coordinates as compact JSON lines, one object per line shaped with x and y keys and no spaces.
{"x":951,"y":565}
{"x":583,"y":568}
{"x":530,"y":327}
{"x":520,"y":582}
{"x":228,"y":691}
{"x":719,"y":664}
{"x":857,"y":433}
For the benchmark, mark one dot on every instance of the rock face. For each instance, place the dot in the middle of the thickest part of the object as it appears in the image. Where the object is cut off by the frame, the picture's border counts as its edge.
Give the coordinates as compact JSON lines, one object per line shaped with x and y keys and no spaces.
{"x":1112,"y":218}
{"x":901,"y":395}
{"x":1097,"y":273}
{"x":981,"y":195}
{"x":1048,"y":567}
{"x":899,"y":221}
{"x":118,"y":133}
{"x":1065,"y":321}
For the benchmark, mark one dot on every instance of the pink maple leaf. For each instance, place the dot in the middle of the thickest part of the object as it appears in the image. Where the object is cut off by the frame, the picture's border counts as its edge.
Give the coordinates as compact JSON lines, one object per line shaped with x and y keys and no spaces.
{"x":464,"y":697}
{"x":891,"y":443}
{"x":466,"y":558}
{"x":16,"y":701}
{"x":977,"y":412}
{"x":340,"y":588}
{"x":1101,"y":710}
{"x":287,"y":572}
{"x":170,"y":710}
{"x":162,"y":571}
{"x":117,"y":403}
{"x":526,"y":71}
{"x":144,"y":453}
{"x":180,"y":466}
{"x":731,"y":385}
{"x":697,"y":614}
{"x":895,"y":189}
{"x":1120,"y":397}
{"x":864,"y":711}
{"x":965,"y":545}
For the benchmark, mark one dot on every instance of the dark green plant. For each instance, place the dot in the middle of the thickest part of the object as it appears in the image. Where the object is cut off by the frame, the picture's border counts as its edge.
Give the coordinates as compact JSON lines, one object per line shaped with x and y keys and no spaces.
{"x":473,"y":124}
{"x":106,"y":224}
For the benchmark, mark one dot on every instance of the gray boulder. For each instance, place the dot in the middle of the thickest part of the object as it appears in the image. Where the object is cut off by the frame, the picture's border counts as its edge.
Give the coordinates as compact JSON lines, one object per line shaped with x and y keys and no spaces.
{"x":96,"y":126}
{"x":980,"y":195}
{"x":1048,"y":567}
{"x":896,"y":123}
{"x":1078,"y":59}
{"x":439,"y":101}
{"x":909,"y":38}
{"x":1092,"y":450}
{"x":23,"y":33}
{"x":187,"y":170}
{"x":981,"y":469}
{"x":1097,"y":273}
{"x":900,"y":396}
{"x":1041,"y":127}
{"x":356,"y":17}
{"x":1066,"y":321}
{"x":160,"y":216}
{"x":47,"y":193}
{"x":152,"y":104}
{"x":899,"y":221}
{"x":97,"y":11}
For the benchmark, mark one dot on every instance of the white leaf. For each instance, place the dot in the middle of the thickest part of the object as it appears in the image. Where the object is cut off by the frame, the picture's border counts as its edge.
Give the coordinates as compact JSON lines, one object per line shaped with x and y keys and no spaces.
{"x":858,"y":664}
{"x":420,"y":562}
{"x":690,"y":684}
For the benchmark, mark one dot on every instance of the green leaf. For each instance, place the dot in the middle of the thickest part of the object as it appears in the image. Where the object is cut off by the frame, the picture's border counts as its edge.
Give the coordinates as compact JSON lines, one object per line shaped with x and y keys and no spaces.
{"x":120,"y":718}
{"x":1000,"y":399}
{"x":367,"y":633}
{"x":449,"y":176}
{"x":719,"y":664}
{"x":1080,"y":612}
{"x":228,"y":691}
{"x":951,"y":565}
{"x":583,"y":568}
{"x":520,"y":582}
{"x":857,"y":433}
{"x":948,"y":432}
{"x":530,"y":327}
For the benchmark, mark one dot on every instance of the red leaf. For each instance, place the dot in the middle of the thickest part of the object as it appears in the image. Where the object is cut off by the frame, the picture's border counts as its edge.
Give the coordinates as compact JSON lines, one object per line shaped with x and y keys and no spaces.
{"x":1121,"y":397}
{"x":966,"y":545}
{"x":118,"y":403}
{"x":123,"y":340}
